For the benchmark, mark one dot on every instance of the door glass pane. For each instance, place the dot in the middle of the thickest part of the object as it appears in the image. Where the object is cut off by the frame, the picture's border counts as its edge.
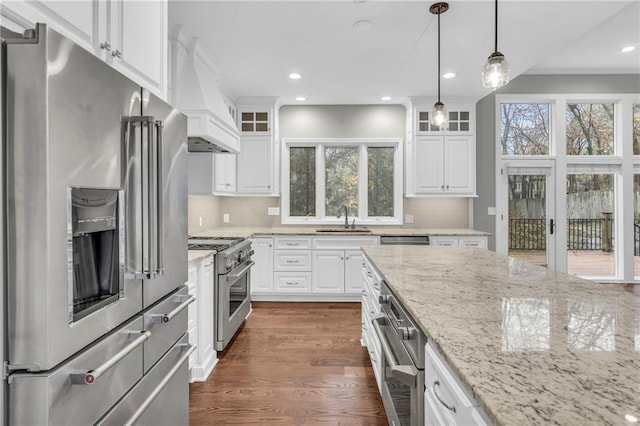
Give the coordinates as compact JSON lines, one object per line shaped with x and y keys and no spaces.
{"x":590,"y":215}
{"x":636,"y":225}
{"x":590,"y":129}
{"x":302,"y":181}
{"x":380,"y":181}
{"x":527,"y":221}
{"x":524,"y":129}
{"x":341,"y":177}
{"x":636,"y":130}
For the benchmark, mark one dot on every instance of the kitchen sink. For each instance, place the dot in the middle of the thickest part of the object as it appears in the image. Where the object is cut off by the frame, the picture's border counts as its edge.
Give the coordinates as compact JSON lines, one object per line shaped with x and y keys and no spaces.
{"x":357,"y":229}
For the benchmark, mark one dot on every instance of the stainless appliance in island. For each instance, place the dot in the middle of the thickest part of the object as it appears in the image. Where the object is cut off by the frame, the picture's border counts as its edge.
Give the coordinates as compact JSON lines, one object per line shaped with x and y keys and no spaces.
{"x":231,"y":284}
{"x":95,"y":197}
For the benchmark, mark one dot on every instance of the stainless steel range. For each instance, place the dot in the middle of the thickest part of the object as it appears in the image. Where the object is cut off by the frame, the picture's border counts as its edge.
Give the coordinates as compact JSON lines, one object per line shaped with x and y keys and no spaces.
{"x":232,"y":300}
{"x":402,"y":344}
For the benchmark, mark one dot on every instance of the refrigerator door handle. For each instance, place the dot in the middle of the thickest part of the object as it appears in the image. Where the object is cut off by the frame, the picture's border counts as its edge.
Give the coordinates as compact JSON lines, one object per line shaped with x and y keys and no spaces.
{"x":159,"y":200}
{"x":144,"y":199}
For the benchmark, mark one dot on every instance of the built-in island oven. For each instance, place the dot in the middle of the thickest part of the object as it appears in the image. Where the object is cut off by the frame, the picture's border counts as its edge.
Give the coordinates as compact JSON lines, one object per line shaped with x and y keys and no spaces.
{"x":231,"y":284}
{"x":403,"y":345}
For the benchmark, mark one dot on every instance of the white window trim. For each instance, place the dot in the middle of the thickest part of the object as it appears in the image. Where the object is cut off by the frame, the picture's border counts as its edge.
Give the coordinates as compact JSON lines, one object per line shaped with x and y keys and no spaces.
{"x":622,"y":164}
{"x":361,"y":218}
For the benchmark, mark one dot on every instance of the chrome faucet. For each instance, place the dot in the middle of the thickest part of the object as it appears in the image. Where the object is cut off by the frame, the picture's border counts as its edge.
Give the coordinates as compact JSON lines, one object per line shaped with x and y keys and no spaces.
{"x":346,"y":215}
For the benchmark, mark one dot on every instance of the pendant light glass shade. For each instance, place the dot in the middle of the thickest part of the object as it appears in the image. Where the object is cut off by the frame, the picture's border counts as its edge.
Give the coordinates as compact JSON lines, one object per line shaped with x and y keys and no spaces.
{"x":439,"y":114}
{"x":496,"y":71}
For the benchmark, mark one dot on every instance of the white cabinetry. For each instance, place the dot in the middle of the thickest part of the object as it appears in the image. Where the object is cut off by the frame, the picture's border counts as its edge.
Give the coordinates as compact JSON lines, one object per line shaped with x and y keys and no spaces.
{"x":444,"y":165}
{"x":308,"y":268}
{"x":258,"y":163}
{"x":441,"y":161}
{"x":461,"y":241}
{"x":292,"y":265}
{"x":328,"y":271}
{"x":337,"y":262}
{"x":255,"y":165}
{"x":206,"y":355}
{"x":370,"y":308}
{"x":192,"y":322}
{"x":212,"y":173}
{"x":447,"y":400}
{"x":262,"y":271}
{"x":129,"y":35}
{"x":224,"y":170}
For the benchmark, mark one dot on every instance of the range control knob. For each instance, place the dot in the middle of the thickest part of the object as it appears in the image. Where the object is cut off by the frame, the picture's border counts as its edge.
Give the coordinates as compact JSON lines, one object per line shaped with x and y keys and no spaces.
{"x":406,"y":333}
{"x":229,"y":264}
{"x":383,"y":299}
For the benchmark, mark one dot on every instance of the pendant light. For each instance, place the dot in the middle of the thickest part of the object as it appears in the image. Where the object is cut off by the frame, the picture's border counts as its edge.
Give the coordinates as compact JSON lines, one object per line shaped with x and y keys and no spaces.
{"x":496,"y":71}
{"x":439,"y":114}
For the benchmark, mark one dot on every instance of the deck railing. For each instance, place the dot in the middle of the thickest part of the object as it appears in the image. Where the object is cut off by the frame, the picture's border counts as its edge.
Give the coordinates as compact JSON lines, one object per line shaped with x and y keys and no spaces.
{"x":582,"y":234}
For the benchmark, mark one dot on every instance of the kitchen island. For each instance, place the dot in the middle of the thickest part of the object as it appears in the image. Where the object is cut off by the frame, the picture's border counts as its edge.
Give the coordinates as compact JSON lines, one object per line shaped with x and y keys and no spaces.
{"x":532,"y":345}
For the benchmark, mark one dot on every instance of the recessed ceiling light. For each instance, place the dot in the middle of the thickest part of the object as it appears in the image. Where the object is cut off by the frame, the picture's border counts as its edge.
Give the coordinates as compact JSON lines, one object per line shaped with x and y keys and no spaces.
{"x":386,"y":98}
{"x":295,"y":76}
{"x":628,"y":49}
{"x":300,"y":98}
{"x":631,"y":419}
{"x":448,"y":75}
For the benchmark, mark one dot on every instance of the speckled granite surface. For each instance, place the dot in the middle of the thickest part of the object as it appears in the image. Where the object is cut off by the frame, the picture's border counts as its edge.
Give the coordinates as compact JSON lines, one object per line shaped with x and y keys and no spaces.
{"x":297,"y":230}
{"x":193,"y":255}
{"x":534,"y":346}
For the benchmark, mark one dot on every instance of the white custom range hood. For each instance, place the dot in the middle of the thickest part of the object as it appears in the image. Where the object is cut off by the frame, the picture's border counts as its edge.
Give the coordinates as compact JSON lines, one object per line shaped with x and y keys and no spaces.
{"x":210,"y":127}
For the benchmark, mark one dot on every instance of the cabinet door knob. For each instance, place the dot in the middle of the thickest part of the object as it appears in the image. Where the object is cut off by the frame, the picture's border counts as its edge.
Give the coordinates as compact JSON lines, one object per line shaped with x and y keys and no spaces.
{"x":442,"y":187}
{"x":116,"y":53}
{"x":447,"y":186}
{"x":106,"y":46}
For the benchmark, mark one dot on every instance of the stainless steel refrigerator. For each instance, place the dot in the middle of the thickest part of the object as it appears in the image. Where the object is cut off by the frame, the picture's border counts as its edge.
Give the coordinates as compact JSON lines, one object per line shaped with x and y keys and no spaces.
{"x":95,"y":204}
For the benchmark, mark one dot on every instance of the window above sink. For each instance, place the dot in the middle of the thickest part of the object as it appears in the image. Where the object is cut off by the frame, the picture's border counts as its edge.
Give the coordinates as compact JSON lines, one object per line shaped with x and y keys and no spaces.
{"x":320,"y":175}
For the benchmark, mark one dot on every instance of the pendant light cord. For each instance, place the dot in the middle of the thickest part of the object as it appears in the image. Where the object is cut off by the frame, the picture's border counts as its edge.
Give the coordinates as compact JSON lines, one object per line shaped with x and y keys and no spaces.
{"x":496,"y":45}
{"x":439,"y":55}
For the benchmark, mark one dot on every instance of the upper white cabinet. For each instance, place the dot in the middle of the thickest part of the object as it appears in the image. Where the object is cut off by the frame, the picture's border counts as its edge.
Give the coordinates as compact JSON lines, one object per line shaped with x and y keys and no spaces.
{"x":138,"y":41}
{"x":255,"y":165}
{"x":129,"y":35}
{"x":225,"y":174}
{"x":255,"y":119}
{"x":441,"y":161}
{"x":444,"y":165}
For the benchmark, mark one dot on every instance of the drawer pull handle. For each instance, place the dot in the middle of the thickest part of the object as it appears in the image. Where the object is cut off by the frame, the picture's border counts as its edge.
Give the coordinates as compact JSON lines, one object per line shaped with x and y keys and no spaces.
{"x":165,"y":318}
{"x":293,"y":244}
{"x":291,"y":283}
{"x":293,"y":261}
{"x":187,"y":351}
{"x":90,"y":377}
{"x":447,"y":406}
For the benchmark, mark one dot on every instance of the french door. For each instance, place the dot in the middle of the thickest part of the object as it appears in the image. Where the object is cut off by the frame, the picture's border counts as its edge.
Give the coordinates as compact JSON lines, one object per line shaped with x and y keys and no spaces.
{"x":526,"y":226}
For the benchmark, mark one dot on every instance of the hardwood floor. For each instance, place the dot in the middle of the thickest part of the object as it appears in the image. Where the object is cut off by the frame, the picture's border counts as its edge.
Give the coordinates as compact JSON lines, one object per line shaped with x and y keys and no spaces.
{"x":292,"y":364}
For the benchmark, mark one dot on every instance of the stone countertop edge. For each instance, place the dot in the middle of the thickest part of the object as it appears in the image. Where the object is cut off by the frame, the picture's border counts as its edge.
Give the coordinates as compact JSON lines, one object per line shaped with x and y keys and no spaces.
{"x":257,"y":232}
{"x":193,"y":255}
{"x":536,"y":385}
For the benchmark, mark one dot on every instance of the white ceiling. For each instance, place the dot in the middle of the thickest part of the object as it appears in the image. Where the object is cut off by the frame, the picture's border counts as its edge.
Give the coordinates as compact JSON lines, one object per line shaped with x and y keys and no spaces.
{"x":256,"y":44}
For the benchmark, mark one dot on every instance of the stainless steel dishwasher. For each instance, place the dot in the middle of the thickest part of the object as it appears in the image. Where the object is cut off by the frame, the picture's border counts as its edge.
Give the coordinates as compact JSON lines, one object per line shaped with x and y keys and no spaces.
{"x":421,"y":240}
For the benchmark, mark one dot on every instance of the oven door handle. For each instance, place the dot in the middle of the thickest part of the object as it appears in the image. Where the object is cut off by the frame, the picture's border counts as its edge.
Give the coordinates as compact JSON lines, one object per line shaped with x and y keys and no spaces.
{"x":407,"y":374}
{"x":236,"y":275}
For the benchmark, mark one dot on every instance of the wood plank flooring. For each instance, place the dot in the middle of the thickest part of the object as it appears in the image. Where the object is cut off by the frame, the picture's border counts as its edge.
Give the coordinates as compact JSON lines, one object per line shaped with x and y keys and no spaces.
{"x":292,"y":364}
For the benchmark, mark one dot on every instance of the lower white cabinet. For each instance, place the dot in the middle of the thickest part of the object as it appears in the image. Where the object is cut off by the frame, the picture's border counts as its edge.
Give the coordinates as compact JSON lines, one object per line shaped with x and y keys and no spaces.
{"x":447,"y":401}
{"x":328,"y":271}
{"x":305,"y":267}
{"x":292,"y":282}
{"x":459,"y":241}
{"x":262,"y":271}
{"x":370,"y":309}
{"x":204,"y":358}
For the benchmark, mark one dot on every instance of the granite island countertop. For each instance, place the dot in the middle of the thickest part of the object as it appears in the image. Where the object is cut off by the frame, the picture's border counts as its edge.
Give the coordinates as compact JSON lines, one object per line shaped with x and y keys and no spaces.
{"x":534,"y":346}
{"x":246,"y":232}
